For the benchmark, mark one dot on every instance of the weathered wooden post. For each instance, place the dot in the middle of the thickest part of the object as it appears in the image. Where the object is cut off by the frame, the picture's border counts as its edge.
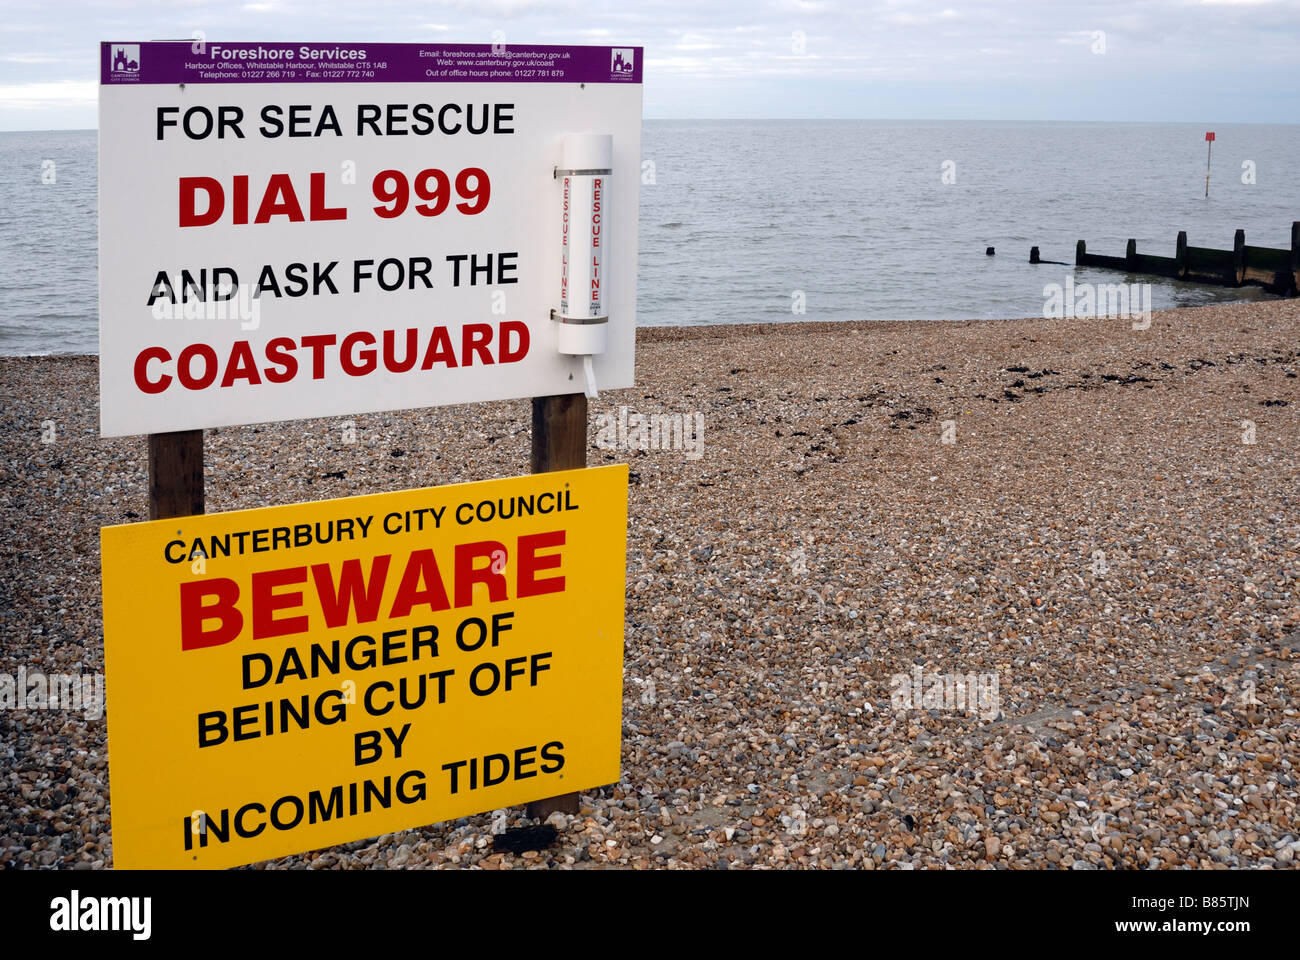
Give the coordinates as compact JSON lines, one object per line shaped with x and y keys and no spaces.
{"x":1276,"y":270}
{"x":175,"y":474}
{"x":1295,"y":255}
{"x":559,"y":442}
{"x":559,"y":433}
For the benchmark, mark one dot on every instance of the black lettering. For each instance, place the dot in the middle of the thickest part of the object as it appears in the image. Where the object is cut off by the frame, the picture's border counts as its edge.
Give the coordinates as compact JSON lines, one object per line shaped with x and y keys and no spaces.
{"x":554,"y":752}
{"x":368,"y":115}
{"x":272,"y":125}
{"x":212,"y":733}
{"x":249,"y":660}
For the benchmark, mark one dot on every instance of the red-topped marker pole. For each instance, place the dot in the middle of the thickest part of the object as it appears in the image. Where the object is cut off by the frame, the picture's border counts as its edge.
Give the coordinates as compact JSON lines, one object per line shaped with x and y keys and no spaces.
{"x":1209,"y":147}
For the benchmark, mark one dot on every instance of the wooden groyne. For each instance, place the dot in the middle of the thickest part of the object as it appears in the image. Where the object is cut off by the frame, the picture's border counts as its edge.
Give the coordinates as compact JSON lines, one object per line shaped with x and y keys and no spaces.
{"x":1277,"y":271}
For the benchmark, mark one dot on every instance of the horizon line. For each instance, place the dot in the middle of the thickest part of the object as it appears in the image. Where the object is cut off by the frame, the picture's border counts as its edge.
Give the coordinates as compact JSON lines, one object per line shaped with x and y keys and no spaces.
{"x":1242,"y":123}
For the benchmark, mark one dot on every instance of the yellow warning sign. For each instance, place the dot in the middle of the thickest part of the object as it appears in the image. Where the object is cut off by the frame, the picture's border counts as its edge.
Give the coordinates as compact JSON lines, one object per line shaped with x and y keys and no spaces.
{"x":295,"y":677}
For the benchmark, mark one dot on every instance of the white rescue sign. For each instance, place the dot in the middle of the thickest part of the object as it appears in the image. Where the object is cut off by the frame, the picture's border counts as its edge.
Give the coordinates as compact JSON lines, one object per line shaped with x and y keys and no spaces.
{"x":294,"y":230}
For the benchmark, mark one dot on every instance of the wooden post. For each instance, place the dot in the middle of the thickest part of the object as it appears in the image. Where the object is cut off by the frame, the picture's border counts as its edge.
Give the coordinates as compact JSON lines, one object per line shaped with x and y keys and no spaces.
{"x":559,"y":443}
{"x":1295,"y":255}
{"x":559,"y":433}
{"x":1180,"y":254}
{"x":1239,"y":257}
{"x":1033,"y":255}
{"x":175,"y":474}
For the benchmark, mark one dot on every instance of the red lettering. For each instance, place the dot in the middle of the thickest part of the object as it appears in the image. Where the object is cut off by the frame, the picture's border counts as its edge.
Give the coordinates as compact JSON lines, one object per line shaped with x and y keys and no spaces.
{"x":198,"y":367}
{"x":519,"y":328}
{"x":194,"y":612}
{"x":353,"y":590}
{"x":355,"y":596}
{"x":239,"y":200}
{"x":528,"y":585}
{"x":475,"y":338}
{"x":420,"y":566}
{"x":317,"y":344}
{"x":241,"y":366}
{"x":189,"y":188}
{"x":187,"y":379}
{"x":266,"y":602}
{"x":142,"y":370}
{"x":467,"y":575}
{"x":346,"y":360}
{"x":440,"y":350}
{"x":318,"y":209}
{"x":390,"y":350}
{"x":280,"y":200}
{"x":279,"y":352}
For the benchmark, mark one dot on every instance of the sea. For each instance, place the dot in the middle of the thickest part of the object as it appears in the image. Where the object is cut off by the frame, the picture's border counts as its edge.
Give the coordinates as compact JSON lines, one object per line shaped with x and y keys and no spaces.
{"x":747,"y":221}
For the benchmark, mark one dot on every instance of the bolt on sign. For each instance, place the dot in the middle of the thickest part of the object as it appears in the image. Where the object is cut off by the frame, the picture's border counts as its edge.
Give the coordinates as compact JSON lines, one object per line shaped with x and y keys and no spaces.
{"x":307,"y":675}
{"x":302,"y":230}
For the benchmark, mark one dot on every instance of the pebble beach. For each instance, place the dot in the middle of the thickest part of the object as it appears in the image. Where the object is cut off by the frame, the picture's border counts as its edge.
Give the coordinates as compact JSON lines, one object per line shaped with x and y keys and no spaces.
{"x":1098,"y":524}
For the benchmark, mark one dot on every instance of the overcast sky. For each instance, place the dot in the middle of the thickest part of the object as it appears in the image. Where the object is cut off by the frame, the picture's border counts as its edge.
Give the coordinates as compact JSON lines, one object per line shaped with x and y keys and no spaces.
{"x":1186,"y":60}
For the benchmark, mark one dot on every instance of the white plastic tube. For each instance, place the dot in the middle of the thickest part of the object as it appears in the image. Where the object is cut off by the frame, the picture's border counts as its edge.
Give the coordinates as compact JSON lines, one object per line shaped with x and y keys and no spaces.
{"x":584,"y":173}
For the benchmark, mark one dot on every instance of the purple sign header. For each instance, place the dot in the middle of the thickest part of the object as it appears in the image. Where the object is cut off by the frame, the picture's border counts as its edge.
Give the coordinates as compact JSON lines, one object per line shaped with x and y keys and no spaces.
{"x":184,"y":61}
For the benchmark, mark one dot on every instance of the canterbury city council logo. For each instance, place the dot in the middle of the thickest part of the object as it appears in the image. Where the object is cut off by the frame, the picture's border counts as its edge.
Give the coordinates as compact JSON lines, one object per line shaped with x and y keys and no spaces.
{"x":126,"y":58}
{"x":620,"y":61}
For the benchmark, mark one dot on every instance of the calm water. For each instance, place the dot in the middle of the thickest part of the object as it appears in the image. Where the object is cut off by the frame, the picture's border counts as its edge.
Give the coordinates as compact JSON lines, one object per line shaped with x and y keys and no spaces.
{"x":741,"y":214}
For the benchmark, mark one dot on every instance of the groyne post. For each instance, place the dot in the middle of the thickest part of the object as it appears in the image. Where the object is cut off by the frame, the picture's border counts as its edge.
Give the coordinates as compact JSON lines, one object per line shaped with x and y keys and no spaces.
{"x":1276,"y":270}
{"x":1295,"y":255}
